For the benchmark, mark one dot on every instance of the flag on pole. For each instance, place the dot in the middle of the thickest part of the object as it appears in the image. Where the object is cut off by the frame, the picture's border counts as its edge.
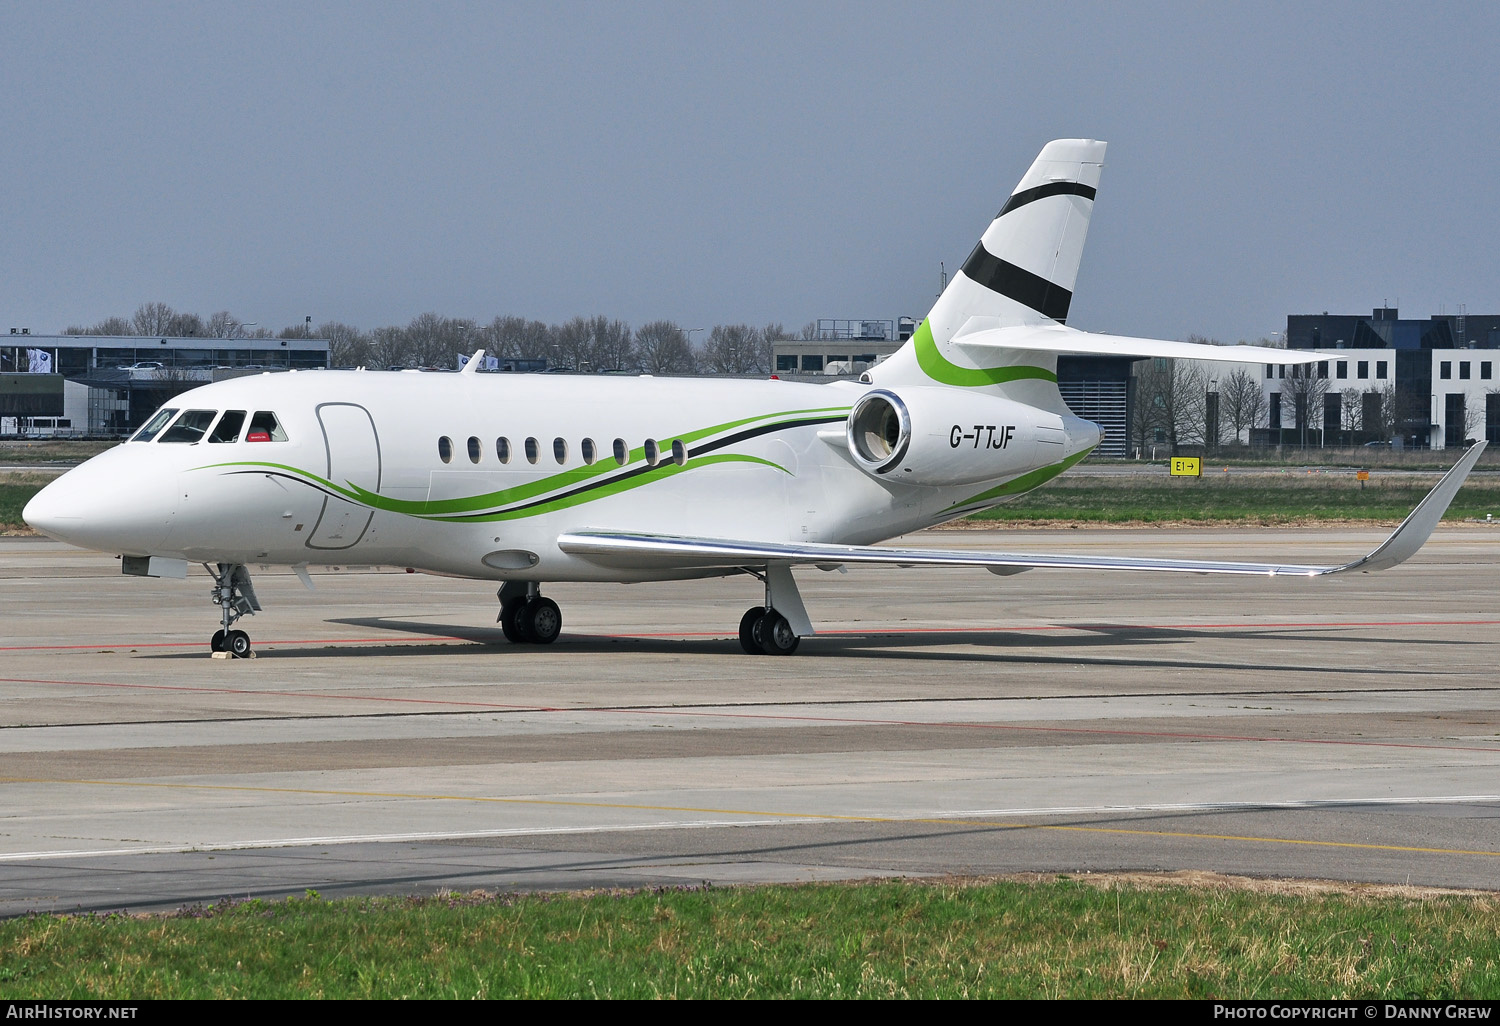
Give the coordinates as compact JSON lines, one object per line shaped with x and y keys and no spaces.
{"x":40,"y":361}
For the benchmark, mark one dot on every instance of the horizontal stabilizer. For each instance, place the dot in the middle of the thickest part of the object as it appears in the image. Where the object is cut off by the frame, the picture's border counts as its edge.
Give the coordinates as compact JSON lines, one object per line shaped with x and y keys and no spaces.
{"x":627,"y":550}
{"x":1061,"y":339}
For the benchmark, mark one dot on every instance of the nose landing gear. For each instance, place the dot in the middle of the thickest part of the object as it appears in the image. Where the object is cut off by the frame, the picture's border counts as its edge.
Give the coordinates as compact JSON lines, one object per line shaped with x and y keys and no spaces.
{"x":526,"y":616}
{"x":235,"y":598}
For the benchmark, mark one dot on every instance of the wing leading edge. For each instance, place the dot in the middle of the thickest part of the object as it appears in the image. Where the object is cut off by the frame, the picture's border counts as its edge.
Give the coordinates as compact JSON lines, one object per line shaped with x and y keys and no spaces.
{"x":634,"y":550}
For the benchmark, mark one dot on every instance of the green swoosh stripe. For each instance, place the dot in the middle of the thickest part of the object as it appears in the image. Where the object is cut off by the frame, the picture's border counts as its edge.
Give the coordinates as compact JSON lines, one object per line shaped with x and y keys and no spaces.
{"x":941,"y":370}
{"x":608,"y":488}
{"x":1024,"y":483}
{"x":457,"y":508}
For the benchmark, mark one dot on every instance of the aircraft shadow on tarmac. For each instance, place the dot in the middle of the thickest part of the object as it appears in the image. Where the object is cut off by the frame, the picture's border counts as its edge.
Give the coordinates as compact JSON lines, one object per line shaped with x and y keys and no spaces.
{"x":1003,"y":646}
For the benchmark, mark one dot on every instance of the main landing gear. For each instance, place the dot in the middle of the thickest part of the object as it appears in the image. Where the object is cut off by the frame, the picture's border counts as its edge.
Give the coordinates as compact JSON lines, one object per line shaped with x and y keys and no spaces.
{"x":776,"y":627}
{"x":235,"y":598}
{"x":526,"y":616}
{"x":766,"y":632}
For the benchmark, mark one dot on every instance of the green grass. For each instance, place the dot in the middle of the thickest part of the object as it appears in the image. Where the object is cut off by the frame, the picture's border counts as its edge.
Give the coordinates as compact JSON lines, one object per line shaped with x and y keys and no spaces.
{"x":15,"y":492}
{"x":1249,"y":498}
{"x":1062,"y":938}
{"x":50,"y":451}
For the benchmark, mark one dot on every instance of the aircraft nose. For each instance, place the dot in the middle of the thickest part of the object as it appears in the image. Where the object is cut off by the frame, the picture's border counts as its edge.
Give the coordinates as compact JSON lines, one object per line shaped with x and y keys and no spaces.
{"x":50,"y":512}
{"x":96,"y":507}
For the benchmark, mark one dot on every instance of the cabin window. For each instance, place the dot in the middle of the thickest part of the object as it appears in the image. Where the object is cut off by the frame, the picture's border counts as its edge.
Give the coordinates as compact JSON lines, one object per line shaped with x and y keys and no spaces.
{"x":264,"y":427}
{"x":445,"y":449}
{"x":533,"y":450}
{"x":228,"y":427}
{"x":560,"y":450}
{"x":154,"y":426}
{"x":502,"y":449}
{"x":653,"y":452}
{"x":679,"y":452}
{"x":622,"y":452}
{"x":189,"y":427}
{"x":474,"y":449}
{"x":587,"y":450}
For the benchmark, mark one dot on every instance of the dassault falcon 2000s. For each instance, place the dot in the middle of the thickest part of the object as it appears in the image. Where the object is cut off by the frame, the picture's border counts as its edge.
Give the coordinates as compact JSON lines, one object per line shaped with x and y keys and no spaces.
{"x":529,"y":479}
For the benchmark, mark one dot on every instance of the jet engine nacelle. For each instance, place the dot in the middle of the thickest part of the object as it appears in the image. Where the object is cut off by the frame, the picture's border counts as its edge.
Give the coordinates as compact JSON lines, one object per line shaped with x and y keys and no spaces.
{"x":944,"y":436}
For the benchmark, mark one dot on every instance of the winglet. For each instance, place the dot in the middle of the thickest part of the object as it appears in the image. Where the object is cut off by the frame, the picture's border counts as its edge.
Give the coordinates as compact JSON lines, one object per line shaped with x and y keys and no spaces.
{"x":1420,"y":523}
{"x":472,"y":367}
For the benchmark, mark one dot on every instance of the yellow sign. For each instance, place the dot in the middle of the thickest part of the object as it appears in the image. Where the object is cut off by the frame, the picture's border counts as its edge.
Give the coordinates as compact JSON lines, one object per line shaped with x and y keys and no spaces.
{"x":1363,"y":475}
{"x":1187,"y":466}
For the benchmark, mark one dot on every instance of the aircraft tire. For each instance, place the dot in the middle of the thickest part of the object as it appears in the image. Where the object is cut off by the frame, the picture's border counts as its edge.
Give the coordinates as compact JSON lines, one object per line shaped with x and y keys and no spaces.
{"x":749,"y":637}
{"x":541,"y":620}
{"x":238,"y":643}
{"x":776,"y":635}
{"x":216,"y":643}
{"x":510,"y":622}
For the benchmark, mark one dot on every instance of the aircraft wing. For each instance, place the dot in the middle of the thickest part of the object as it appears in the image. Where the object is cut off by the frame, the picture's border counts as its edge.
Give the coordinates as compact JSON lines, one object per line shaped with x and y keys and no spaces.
{"x":634,"y":550}
{"x":1057,"y":338}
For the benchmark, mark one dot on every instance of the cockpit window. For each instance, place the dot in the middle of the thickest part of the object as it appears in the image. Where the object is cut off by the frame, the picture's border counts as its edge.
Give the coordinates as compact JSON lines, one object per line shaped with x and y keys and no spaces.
{"x":264,"y":427}
{"x":190,"y":426}
{"x":154,"y":425}
{"x":228,"y":427}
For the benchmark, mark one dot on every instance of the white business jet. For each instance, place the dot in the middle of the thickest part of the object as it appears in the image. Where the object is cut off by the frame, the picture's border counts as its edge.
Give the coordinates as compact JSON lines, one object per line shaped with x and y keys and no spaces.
{"x":525,"y":479}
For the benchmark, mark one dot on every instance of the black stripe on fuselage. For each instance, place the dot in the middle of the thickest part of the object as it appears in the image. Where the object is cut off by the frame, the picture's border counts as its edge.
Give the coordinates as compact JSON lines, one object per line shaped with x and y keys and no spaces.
{"x":1018,"y":284}
{"x":1026,"y":196}
{"x":727,"y":440}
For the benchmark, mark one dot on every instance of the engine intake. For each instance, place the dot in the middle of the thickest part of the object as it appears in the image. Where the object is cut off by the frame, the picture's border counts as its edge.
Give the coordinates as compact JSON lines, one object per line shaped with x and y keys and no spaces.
{"x":944,"y":436}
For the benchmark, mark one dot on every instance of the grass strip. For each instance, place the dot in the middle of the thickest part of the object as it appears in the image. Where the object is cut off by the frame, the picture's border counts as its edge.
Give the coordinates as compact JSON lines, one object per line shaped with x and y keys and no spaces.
{"x":1023,"y":939}
{"x":1250,"y":499}
{"x":13,"y":499}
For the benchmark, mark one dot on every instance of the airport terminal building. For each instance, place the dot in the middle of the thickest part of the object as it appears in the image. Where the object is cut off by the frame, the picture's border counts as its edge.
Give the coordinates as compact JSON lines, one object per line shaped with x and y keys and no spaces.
{"x":1422,"y":383}
{"x":105,"y":386}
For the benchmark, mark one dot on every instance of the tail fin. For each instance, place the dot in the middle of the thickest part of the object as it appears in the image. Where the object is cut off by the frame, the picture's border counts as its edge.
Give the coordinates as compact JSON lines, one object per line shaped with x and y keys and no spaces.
{"x":1021,"y":273}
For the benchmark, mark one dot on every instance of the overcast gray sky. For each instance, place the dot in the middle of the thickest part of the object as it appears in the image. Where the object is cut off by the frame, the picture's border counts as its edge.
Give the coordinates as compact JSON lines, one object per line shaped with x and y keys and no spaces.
{"x":716,"y":163}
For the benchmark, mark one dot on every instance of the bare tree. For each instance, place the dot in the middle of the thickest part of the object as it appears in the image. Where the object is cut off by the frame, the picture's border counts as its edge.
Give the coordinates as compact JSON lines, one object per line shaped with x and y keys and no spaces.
{"x":518,"y":338}
{"x":152,"y":319}
{"x":1351,"y":412}
{"x":347,"y":345}
{"x":389,"y":348}
{"x":662,"y":348}
{"x":614,"y":345}
{"x":809,"y":332}
{"x":1474,"y":421}
{"x":1151,"y":378}
{"x":736,"y":349}
{"x":1303,"y":389}
{"x":1186,"y":406}
{"x":222,"y":325}
{"x":1241,"y":401}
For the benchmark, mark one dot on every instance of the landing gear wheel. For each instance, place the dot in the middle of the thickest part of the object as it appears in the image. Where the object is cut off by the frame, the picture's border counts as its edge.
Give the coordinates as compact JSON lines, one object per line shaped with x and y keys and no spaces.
{"x":776,"y":635}
{"x":216,"y":643}
{"x":510,"y":616}
{"x":238,"y":644}
{"x":750,"y":630}
{"x":541,"y":621}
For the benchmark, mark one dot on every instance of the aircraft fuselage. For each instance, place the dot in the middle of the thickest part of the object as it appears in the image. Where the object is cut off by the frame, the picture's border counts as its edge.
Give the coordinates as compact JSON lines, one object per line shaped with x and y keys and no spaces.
{"x":477,"y":475}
